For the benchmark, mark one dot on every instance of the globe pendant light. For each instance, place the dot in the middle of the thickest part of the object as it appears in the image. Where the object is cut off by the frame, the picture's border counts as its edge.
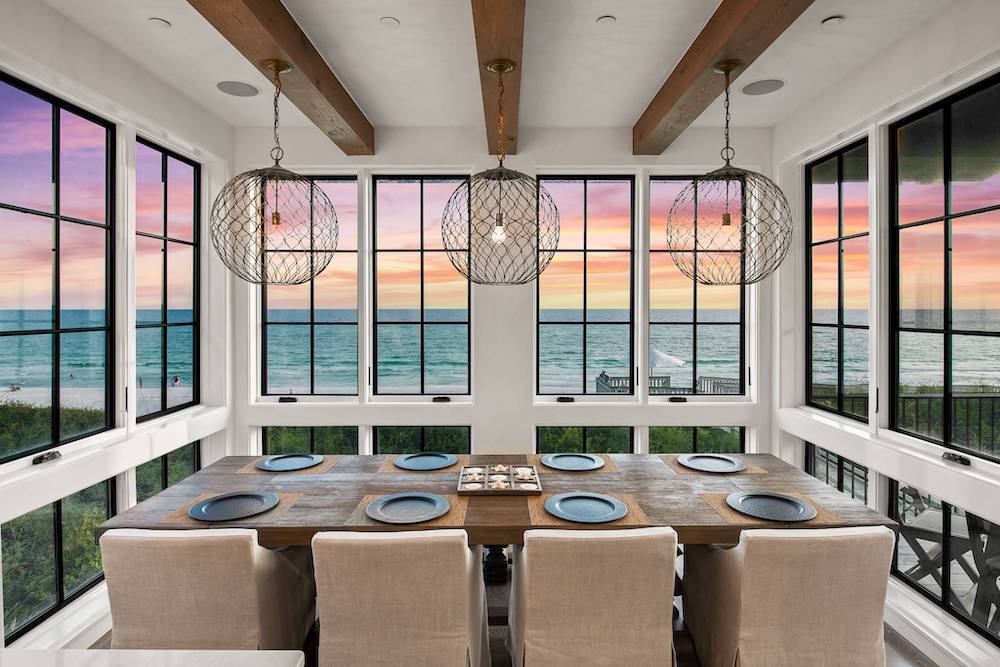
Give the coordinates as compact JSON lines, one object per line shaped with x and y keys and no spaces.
{"x":731,"y":226}
{"x":501,"y":227}
{"x":272,"y":226}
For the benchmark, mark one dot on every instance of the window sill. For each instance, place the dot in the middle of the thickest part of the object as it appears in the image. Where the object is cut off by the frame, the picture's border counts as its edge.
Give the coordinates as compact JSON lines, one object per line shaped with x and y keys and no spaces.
{"x":78,"y":625}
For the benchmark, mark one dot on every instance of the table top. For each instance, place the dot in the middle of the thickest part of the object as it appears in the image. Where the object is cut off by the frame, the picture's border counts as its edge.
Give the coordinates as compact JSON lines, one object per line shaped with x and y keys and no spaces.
{"x":131,"y":658}
{"x":333,"y":496}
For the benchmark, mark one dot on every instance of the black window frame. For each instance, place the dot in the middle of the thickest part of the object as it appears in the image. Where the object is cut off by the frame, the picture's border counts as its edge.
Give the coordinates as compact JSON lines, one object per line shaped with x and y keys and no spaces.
{"x":56,"y":331}
{"x":584,"y":322}
{"x":421,"y":323}
{"x":694,"y":323}
{"x":583,"y":436}
{"x":840,"y":326}
{"x":947,"y":331}
{"x":423,"y":435}
{"x":312,"y":437}
{"x":841,"y":467}
{"x":165,"y":324}
{"x":165,"y":468}
{"x":694,"y":435}
{"x":312,"y":322}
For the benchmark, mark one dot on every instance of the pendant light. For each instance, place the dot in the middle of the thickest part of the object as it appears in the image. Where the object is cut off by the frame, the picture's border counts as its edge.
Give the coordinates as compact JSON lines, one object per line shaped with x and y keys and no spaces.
{"x":501,"y":227}
{"x":272,"y":226}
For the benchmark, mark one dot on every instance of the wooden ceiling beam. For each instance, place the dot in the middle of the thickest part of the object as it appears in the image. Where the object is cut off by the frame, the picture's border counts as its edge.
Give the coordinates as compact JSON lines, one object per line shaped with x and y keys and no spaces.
{"x":740,"y":29}
{"x":263,"y":29}
{"x":499,"y":26}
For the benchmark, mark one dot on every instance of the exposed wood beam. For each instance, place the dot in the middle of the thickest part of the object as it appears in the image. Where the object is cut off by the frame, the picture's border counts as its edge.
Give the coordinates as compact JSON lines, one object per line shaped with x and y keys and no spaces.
{"x":741,"y":29}
{"x":499,"y":26}
{"x":262,"y":29}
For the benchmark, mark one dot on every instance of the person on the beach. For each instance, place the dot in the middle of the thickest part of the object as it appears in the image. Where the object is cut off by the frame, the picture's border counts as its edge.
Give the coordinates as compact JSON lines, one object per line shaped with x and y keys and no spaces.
{"x":177,"y":381}
{"x":14,"y":387}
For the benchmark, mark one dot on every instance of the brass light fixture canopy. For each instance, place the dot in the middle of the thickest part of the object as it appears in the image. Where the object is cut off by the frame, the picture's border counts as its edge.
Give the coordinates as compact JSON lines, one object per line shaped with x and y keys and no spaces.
{"x":276,"y":65}
{"x":501,"y":66}
{"x":727,"y":65}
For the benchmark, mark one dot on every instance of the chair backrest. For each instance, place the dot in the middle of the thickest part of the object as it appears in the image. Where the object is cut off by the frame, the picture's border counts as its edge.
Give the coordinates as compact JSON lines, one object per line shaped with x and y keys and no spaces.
{"x":394,"y":598}
{"x":182,"y":589}
{"x":596,"y":596}
{"x":810,"y":594}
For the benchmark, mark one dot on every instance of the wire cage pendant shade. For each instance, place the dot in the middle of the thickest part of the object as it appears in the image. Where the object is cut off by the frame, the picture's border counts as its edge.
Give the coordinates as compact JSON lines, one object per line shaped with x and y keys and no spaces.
{"x":272,"y":226}
{"x":731,"y":226}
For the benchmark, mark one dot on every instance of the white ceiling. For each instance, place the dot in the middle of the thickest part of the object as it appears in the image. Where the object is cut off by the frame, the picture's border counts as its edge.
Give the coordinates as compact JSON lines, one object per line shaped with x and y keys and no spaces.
{"x":423,"y":73}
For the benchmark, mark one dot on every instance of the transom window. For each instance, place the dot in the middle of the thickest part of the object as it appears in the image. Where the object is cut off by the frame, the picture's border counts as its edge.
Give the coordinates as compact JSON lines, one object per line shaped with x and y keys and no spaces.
{"x":164,"y":471}
{"x":585,"y":298}
{"x":696,"y":439}
{"x":311,"y":439}
{"x":585,"y":439}
{"x":946,"y":275}
{"x":842,"y":474}
{"x":414,"y":439}
{"x":421,"y":301}
{"x":310,"y":332}
{"x":695,"y":331}
{"x":56,"y":271}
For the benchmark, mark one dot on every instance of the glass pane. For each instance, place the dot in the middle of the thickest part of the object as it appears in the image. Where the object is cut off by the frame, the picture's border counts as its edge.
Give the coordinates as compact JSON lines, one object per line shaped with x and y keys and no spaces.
{"x":719,"y":303}
{"x":286,"y":439}
{"x":920,"y":169}
{"x":82,"y":168}
{"x":181,"y":463}
{"x":716,"y":201}
{"x":824,"y":280}
{"x":82,"y":512}
{"x":149,"y":369}
{"x":975,"y":165}
{"x":29,"y":568}
{"x":856,"y":285}
{"x":609,"y":359}
{"x":568,"y":197}
{"x":335,"y":440}
{"x":397,"y":286}
{"x":975,"y":280}
{"x":26,"y":391}
{"x":180,"y":282}
{"x":671,"y":359}
{"x":560,"y":289}
{"x":855,"y":480}
{"x":825,"y":212}
{"x":446,"y":359}
{"x":344,"y":197}
{"x":397,"y":214}
{"x":975,"y":391}
{"x":398,"y":361}
{"x":921,"y":383}
{"x":661,"y":198}
{"x":288,"y":303}
{"x":449,"y":439}
{"x":855,"y":388}
{"x":180,"y":200}
{"x":918,"y":551}
{"x":974,"y":571}
{"x":560,"y":359}
{"x":180,"y":365}
{"x":148,"y":280}
{"x":25,"y":270}
{"x":671,"y":440}
{"x":148,"y":190}
{"x":609,"y":214}
{"x":558,"y":439}
{"x":398,"y":439}
{"x":149,"y":479}
{"x":82,"y":383}
{"x":921,"y":276}
{"x":609,"y":280}
{"x":608,"y":439}
{"x":446,"y":292}
{"x":718,"y":439}
{"x":82,"y":275}
{"x":671,"y":293}
{"x":26,"y":153}
{"x":336,"y":290}
{"x":824,"y":366}
{"x":854,"y":191}
{"x":287,"y":359}
{"x":436,"y":195}
{"x":718,"y":360}
{"x":336,"y":362}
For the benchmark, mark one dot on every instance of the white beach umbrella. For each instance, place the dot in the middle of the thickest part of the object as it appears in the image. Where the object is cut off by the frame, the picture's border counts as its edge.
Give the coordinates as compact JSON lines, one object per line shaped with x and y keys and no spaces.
{"x":659,"y":359}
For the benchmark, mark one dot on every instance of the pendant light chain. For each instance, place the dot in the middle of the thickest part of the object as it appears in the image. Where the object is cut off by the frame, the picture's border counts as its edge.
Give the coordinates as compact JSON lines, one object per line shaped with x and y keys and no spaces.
{"x":727,"y":153}
{"x":277,"y":153}
{"x":501,"y":148}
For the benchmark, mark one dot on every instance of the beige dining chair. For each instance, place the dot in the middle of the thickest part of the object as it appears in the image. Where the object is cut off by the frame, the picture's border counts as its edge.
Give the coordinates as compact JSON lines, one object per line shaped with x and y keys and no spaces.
{"x":593,"y":597}
{"x":786,"y":598}
{"x":206,"y":589}
{"x":412,"y":598}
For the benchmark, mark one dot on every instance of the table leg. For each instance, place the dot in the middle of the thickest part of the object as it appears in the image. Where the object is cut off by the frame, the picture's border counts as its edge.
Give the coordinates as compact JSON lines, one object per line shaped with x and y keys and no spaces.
{"x":495,"y":565}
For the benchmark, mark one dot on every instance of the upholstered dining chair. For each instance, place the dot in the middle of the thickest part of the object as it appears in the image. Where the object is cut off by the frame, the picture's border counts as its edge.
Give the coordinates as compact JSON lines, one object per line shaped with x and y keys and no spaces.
{"x":786,"y":598}
{"x":206,"y":589}
{"x":593,"y":597}
{"x":414,"y":598}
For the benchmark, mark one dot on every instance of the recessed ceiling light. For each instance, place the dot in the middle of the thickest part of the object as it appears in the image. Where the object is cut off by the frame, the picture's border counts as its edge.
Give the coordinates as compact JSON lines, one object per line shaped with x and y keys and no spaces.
{"x":237,"y":88}
{"x":836,"y":19}
{"x":389,"y":21}
{"x":763,"y":87}
{"x":157,"y":22}
{"x":607,"y":19}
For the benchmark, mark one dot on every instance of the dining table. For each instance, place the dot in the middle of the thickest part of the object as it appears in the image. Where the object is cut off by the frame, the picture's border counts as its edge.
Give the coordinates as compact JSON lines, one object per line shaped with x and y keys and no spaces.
{"x":657,"y":490}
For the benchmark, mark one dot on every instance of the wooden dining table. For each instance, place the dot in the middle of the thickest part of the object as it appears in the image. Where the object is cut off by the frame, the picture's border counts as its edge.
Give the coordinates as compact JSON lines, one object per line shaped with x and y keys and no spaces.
{"x":657,"y":491}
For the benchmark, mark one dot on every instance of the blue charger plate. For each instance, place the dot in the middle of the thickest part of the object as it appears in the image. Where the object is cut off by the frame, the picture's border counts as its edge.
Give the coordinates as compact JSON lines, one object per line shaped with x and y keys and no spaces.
{"x":714,"y":463}
{"x":425,"y":461}
{"x":573,"y":462}
{"x":408,"y":507}
{"x":289,"y":462}
{"x":231,"y":506}
{"x":770,"y":506}
{"x":584,"y":507}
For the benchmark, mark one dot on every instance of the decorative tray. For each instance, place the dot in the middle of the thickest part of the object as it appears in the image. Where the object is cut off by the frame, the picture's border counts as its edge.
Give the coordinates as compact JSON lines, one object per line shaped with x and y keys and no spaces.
{"x":499,"y":480}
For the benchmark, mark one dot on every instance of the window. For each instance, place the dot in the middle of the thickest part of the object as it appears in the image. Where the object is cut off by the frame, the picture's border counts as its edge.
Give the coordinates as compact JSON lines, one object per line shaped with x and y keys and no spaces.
{"x":164,"y":471}
{"x":586,"y":439}
{"x":310,"y":332}
{"x":842,"y":474}
{"x":311,"y":439}
{"x":167,"y":196}
{"x":413,"y":439}
{"x":696,"y":439}
{"x":837,"y":282}
{"x":56,"y":272}
{"x":944,"y":548}
{"x":695,"y":331}
{"x":946,"y":279}
{"x":585,"y":300}
{"x":50,"y":557}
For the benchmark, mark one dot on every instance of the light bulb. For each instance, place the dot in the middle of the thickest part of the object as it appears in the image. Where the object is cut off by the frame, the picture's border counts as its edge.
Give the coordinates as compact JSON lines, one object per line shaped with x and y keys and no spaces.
{"x":499,"y":235}
{"x":275,"y":218}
